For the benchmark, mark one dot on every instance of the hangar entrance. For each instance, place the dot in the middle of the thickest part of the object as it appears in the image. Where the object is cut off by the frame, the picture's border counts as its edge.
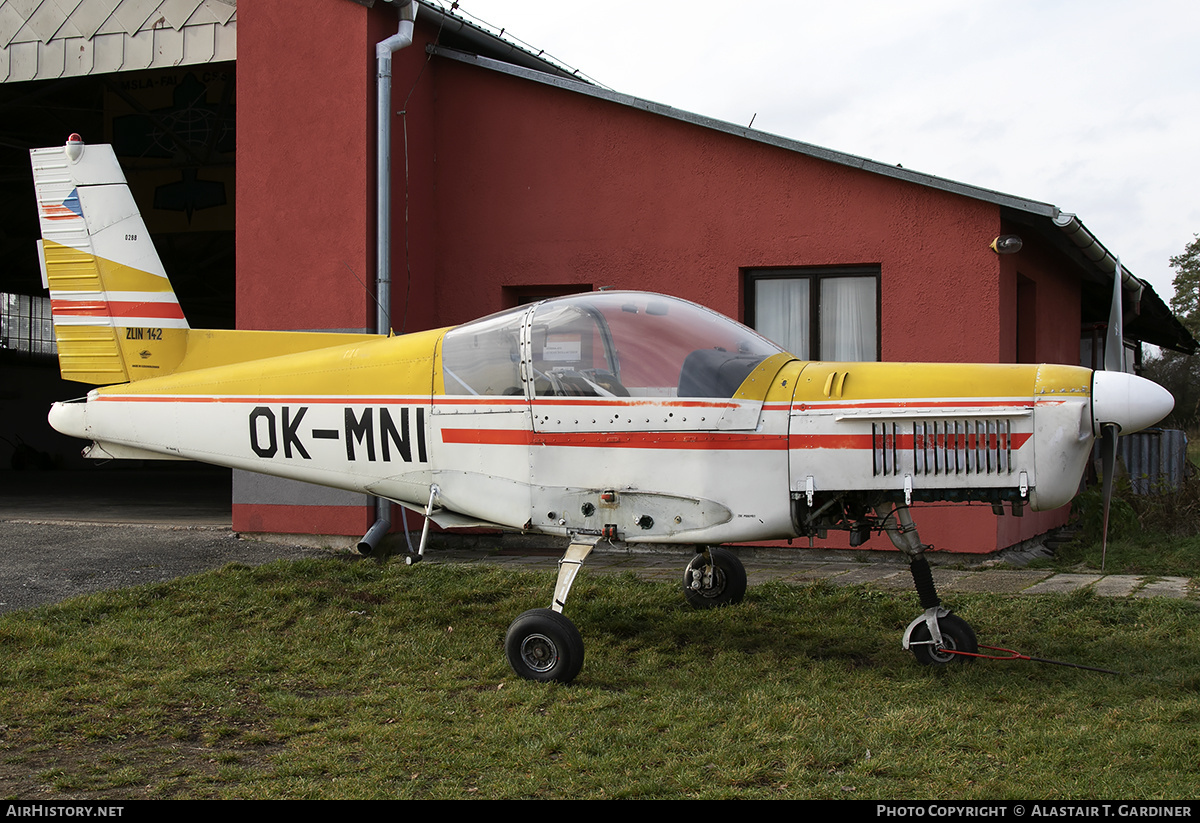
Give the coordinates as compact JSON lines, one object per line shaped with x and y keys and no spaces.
{"x":173,"y":130}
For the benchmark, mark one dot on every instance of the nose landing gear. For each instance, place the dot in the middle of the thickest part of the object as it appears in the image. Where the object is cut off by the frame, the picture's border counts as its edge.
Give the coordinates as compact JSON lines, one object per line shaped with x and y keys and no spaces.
{"x":954,"y":635}
{"x":937,"y":637}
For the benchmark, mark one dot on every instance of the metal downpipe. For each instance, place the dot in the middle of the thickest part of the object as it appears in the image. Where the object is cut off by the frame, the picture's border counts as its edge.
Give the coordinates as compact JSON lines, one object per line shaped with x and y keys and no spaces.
{"x":383,"y":162}
{"x":383,"y":215}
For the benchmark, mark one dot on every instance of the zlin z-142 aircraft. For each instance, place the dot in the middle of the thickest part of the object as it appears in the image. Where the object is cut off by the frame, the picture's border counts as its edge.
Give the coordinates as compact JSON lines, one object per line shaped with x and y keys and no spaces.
{"x":620,"y":416}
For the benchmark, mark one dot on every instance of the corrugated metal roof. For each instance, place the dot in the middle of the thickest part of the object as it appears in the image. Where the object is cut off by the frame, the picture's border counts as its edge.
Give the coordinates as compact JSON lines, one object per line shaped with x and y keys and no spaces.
{"x":48,"y":39}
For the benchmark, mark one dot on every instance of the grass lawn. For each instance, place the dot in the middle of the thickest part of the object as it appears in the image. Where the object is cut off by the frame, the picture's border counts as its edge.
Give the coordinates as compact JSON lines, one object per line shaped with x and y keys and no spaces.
{"x":344,"y":678}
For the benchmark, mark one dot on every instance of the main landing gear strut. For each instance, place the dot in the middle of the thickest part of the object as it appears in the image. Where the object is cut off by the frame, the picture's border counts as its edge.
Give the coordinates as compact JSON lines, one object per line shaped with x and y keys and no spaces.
{"x":543,"y":644}
{"x":938,"y":636}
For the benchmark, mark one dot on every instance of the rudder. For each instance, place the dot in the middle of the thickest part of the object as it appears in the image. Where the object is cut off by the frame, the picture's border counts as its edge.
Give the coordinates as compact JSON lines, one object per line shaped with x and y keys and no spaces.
{"x":116,"y":317}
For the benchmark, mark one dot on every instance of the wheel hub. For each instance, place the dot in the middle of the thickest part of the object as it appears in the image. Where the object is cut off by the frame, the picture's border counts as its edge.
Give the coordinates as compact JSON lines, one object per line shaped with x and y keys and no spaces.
{"x":707,"y":580}
{"x":539,"y":652}
{"x":943,"y":652}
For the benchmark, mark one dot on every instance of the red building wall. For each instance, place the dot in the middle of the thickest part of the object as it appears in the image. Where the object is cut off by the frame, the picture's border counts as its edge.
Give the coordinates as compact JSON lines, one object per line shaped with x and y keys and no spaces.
{"x":304,"y":208}
{"x":304,"y":183}
{"x":509,"y":184}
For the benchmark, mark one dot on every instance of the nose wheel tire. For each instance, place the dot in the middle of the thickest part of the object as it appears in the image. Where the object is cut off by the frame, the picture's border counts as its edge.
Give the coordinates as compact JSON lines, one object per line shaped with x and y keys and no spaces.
{"x":718,"y":580}
{"x":543,"y":645}
{"x":957,"y":635}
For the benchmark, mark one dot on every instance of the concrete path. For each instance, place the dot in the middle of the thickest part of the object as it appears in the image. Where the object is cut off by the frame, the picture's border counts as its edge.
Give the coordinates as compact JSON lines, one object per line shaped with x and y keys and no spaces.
{"x":66,"y":533}
{"x":884,"y":573}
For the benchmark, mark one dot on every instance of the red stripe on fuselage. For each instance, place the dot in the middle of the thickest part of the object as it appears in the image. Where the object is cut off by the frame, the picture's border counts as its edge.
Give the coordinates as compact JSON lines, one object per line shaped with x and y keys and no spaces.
{"x":914,"y":404}
{"x":620,"y":440}
{"x":719,"y":440}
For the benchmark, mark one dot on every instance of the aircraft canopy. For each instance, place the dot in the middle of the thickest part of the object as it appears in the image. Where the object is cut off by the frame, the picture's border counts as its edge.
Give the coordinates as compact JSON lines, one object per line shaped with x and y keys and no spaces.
{"x":604,"y":344}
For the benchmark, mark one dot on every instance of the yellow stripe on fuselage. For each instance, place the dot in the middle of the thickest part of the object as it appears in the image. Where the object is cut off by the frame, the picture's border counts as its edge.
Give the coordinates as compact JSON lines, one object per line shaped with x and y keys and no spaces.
{"x":821,"y":382}
{"x":281,"y":364}
{"x":369,"y":365}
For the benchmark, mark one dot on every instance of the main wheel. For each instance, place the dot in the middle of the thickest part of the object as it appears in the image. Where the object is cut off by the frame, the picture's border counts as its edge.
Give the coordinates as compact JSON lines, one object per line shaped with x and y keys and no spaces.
{"x":957,"y":635}
{"x":722,"y":583}
{"x":543,"y":645}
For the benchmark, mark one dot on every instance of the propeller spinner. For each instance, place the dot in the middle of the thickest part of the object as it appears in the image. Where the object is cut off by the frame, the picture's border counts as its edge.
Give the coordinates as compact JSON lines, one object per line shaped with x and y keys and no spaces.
{"x":1127,"y":402}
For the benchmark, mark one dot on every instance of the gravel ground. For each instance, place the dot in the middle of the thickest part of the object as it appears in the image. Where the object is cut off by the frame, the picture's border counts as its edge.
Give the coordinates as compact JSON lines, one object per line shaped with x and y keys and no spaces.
{"x":49,"y":562}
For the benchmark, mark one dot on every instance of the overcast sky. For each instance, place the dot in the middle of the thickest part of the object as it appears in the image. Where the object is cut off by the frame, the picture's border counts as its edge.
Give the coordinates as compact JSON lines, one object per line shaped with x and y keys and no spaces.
{"x":1090,"y":105}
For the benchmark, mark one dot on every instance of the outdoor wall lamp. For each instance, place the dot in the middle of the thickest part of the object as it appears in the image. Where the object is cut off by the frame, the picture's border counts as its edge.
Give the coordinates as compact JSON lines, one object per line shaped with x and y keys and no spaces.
{"x":1006,"y":244}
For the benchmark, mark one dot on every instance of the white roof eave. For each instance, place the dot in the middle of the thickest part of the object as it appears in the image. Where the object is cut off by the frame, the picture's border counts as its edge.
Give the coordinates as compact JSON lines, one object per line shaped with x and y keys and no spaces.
{"x":52,"y":39}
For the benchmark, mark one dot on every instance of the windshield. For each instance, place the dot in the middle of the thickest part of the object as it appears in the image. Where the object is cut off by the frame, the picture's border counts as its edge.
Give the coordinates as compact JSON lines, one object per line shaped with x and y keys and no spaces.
{"x":483,"y":357}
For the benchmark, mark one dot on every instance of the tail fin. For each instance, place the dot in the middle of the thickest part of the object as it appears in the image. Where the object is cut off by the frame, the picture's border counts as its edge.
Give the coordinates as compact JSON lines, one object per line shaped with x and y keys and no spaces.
{"x":116,"y":317}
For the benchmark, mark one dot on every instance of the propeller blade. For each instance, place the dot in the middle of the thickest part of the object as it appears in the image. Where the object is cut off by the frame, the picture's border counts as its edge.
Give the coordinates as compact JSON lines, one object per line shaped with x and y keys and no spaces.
{"x":1114,"y":340}
{"x":1114,"y":361}
{"x":1108,"y":465}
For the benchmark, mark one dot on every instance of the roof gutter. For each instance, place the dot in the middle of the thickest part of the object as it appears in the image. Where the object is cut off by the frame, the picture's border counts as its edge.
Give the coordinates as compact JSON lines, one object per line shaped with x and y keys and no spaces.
{"x":1093,"y":250}
{"x":488,"y":43}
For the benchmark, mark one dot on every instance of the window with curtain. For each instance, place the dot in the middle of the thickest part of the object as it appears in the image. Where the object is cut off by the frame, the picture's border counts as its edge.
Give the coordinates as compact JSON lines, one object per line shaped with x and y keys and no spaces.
{"x":817,"y":314}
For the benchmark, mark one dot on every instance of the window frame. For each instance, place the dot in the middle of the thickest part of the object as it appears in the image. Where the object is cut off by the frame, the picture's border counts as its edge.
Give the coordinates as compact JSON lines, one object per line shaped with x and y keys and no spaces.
{"x":815,"y":275}
{"x":27,"y":326}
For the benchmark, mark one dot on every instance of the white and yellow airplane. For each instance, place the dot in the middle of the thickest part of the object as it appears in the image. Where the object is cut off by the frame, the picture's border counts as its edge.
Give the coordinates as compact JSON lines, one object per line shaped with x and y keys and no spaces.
{"x":623,"y":416}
